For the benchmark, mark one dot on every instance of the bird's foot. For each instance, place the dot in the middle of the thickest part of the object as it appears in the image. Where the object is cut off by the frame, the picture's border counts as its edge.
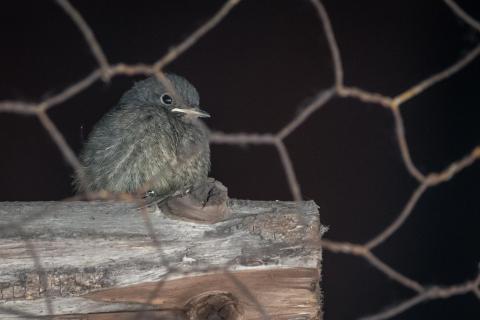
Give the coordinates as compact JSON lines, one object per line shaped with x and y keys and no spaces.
{"x":151,"y":200}
{"x":149,"y":194}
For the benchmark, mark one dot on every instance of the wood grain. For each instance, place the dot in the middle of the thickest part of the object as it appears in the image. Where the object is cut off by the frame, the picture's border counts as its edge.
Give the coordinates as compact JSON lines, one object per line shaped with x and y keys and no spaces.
{"x":98,"y":258}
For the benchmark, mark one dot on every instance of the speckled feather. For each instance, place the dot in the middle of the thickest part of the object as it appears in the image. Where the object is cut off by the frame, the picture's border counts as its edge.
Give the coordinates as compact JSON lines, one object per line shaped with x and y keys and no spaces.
{"x":142,"y":145}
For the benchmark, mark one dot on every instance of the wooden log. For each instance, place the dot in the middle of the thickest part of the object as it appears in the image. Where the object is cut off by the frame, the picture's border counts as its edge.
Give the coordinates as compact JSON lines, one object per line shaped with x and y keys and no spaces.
{"x":108,"y":260}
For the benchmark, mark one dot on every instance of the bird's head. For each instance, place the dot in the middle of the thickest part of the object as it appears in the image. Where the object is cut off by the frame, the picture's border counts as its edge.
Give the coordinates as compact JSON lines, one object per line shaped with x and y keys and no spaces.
{"x":183,"y":101}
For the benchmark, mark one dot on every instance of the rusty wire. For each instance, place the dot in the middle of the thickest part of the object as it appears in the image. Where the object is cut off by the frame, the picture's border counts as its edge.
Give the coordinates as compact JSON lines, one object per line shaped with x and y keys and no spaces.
{"x":106,"y":71}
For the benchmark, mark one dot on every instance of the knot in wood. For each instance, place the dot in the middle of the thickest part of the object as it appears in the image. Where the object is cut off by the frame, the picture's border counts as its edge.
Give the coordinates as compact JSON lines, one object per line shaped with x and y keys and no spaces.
{"x":214,"y":305}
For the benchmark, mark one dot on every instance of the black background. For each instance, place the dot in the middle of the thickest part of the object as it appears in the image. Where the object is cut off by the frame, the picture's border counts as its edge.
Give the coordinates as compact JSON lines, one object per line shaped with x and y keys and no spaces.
{"x":255,"y":72}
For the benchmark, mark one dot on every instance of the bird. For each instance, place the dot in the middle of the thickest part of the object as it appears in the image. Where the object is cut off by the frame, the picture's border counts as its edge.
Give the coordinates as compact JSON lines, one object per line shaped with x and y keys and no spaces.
{"x":152,"y":143}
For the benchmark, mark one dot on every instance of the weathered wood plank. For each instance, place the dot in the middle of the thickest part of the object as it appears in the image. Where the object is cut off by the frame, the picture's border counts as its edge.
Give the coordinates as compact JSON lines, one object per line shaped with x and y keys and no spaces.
{"x":96,"y":257}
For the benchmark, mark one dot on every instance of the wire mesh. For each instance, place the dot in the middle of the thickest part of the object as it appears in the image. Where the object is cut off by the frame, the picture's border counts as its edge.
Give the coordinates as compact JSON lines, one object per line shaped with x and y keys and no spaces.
{"x":425,"y":181}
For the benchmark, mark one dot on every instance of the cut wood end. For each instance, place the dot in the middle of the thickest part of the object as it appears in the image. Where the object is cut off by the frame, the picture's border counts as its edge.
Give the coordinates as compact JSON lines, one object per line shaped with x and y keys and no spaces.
{"x":208,"y":203}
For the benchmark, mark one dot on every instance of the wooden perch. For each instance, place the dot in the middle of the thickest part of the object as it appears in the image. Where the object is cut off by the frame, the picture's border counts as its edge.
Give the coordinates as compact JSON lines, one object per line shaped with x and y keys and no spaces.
{"x":97,"y":260}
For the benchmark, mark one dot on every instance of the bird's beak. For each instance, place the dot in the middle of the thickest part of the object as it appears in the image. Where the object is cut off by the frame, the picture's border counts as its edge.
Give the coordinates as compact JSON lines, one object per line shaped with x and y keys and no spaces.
{"x":195,"y":111}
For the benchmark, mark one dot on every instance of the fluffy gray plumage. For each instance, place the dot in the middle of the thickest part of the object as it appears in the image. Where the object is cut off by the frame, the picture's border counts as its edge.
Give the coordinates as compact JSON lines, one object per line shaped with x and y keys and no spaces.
{"x":143,"y":144}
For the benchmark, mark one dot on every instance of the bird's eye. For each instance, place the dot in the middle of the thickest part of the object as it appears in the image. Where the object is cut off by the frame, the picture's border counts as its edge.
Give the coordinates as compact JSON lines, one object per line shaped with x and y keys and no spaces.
{"x":166,"y":99}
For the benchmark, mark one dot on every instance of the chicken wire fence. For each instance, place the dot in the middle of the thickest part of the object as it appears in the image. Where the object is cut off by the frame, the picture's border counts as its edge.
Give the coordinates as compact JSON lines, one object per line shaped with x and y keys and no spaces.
{"x":425,"y":181}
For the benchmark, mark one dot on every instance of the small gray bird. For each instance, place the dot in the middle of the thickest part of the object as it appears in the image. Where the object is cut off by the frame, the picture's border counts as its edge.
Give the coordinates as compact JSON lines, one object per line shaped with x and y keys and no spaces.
{"x":151,"y":143}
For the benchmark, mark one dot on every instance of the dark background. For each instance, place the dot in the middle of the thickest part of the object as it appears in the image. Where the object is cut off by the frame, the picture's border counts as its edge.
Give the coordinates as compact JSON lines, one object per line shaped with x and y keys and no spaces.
{"x":255,"y":72}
